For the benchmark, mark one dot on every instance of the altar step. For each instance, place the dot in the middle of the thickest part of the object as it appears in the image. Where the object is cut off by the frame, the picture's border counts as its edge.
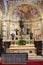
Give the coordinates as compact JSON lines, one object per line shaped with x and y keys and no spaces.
{"x":35,"y":58}
{"x":30,"y":49}
{"x":42,"y":51}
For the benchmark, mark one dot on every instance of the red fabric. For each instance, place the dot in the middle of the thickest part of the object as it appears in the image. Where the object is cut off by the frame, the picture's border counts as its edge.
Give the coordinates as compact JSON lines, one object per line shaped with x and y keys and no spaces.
{"x":35,"y":63}
{"x":28,"y":63}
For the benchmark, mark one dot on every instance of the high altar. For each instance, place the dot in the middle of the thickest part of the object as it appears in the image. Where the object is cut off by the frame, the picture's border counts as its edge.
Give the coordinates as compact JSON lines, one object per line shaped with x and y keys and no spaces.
{"x":19,"y":37}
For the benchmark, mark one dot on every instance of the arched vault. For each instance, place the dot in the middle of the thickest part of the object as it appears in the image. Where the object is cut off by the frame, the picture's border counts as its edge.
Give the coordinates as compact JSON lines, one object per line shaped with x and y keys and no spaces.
{"x":12,"y":8}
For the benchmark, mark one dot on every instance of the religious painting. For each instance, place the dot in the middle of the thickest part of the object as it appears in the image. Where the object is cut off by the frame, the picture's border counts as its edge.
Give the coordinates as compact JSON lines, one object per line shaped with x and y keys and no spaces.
{"x":26,"y":12}
{"x":40,"y":3}
{"x":37,"y":31}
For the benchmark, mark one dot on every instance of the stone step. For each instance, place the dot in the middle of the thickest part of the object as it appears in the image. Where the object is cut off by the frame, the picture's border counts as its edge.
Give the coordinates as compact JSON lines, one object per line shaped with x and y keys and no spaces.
{"x":35,"y":58}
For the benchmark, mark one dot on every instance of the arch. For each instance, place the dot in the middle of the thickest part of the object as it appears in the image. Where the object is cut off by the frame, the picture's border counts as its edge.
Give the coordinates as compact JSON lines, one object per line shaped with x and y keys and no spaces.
{"x":12,"y":8}
{"x":1,"y":15}
{"x":1,"y":12}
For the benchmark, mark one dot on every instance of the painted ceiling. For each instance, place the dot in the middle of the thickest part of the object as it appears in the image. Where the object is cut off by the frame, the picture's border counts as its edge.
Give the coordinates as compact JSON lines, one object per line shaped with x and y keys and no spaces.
{"x":6,"y":4}
{"x":26,"y":12}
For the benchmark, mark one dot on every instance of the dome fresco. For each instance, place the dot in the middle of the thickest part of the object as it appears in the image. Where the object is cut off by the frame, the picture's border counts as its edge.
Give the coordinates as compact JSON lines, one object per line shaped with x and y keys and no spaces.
{"x":26,"y":11}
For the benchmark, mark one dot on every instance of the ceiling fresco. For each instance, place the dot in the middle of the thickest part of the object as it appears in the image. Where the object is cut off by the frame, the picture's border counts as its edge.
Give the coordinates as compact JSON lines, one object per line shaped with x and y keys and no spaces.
{"x":25,"y":11}
{"x":14,"y":2}
{"x":28,"y":11}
